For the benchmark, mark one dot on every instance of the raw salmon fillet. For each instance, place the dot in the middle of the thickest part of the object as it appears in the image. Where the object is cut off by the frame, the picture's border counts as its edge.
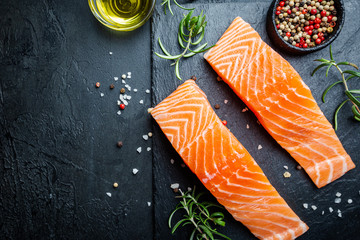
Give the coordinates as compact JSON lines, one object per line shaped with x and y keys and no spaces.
{"x":223,"y":165}
{"x":282,"y":102}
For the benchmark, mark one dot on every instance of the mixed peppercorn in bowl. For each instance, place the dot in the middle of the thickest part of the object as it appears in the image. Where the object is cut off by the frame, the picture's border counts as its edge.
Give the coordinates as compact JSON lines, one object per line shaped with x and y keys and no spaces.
{"x":304,"y":26}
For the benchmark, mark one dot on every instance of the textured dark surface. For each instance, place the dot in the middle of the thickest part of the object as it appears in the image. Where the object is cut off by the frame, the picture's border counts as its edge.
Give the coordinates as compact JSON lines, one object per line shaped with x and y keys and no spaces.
{"x":58,"y":154}
{"x":299,"y":188}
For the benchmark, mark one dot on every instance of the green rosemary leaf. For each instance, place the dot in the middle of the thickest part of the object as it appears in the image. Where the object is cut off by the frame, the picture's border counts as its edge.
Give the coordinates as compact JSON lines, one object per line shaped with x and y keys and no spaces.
{"x":199,"y":39}
{"x":336,"y":113}
{"x":180,"y":41}
{"x":197,"y":50}
{"x":356,"y":91}
{"x":327,"y":70}
{"x":352,"y":98}
{"x":219,"y":222}
{"x":217,"y":215}
{"x":354,"y":65}
{"x":178,"y":224}
{"x":222,"y":235}
{"x":355,"y":111}
{"x":167,"y":57}
{"x":343,"y":63}
{"x":356,"y":118}
{"x":163,"y":48}
{"x":331,"y":55}
{"x":193,"y":234}
{"x":177,"y":73}
{"x":318,"y":67}
{"x":187,"y":19}
{"x":322,"y":60}
{"x":327,"y":89}
{"x":356,"y":74}
{"x":188,"y":9}
{"x":170,"y":8}
{"x":207,"y":231}
{"x":204,"y":50}
{"x":171,"y":216}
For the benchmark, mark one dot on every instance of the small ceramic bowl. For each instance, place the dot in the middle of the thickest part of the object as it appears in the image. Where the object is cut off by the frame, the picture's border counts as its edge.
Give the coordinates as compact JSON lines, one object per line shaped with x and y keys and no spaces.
{"x":115,"y":22}
{"x":278,"y":41}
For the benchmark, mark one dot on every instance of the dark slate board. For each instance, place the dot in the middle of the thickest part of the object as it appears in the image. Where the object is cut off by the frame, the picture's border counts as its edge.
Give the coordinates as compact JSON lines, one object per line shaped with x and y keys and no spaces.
{"x":299,"y":188}
{"x":58,"y":154}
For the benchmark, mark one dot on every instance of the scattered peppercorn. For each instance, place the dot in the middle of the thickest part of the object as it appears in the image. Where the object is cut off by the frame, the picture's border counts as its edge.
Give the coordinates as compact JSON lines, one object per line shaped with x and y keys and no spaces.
{"x":97,"y":84}
{"x":119,"y":144}
{"x":217,"y":106}
{"x":193,"y":78}
{"x":122,"y":106}
{"x":298,"y":167}
{"x":112,"y":86}
{"x":122,"y":90}
{"x":115,"y":185}
{"x":219,"y":79}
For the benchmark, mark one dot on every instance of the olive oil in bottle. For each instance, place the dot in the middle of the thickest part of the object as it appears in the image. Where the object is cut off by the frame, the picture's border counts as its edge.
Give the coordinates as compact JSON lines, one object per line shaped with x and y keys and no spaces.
{"x":123,"y":15}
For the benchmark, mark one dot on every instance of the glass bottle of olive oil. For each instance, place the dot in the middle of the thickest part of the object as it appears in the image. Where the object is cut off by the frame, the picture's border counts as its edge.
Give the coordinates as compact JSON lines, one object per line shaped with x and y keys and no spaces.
{"x":123,"y":15}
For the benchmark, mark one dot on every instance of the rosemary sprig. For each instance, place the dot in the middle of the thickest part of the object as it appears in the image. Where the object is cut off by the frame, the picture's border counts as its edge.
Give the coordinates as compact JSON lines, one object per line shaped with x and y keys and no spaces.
{"x":197,"y":214}
{"x":167,"y":3}
{"x":345,"y":75}
{"x":191,"y":31}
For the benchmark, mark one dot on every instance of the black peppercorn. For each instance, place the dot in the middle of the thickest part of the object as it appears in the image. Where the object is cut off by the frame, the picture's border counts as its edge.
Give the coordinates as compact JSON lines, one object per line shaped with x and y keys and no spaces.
{"x":315,"y":31}
{"x":308,"y":3}
{"x":193,"y":78}
{"x":334,"y":12}
{"x":292,"y":15}
{"x":292,"y":34}
{"x":302,"y":4}
{"x":326,"y":35}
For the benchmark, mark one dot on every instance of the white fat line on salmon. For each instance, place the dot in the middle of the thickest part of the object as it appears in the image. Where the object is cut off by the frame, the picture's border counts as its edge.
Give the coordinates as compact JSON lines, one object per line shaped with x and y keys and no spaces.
{"x":177,"y":104}
{"x":246,"y":187}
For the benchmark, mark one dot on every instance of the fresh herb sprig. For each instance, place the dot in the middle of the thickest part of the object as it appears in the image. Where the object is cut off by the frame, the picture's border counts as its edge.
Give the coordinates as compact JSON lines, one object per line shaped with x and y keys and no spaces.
{"x":345,"y":75}
{"x":167,"y":3}
{"x":191,"y":30}
{"x":197,"y":214}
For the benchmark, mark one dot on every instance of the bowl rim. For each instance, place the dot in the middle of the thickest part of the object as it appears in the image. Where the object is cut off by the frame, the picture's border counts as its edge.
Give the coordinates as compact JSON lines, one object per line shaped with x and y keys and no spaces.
{"x":313,"y":49}
{"x":94,"y":10}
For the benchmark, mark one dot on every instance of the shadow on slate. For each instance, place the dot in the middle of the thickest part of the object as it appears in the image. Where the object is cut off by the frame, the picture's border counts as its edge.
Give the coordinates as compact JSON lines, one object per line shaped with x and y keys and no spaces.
{"x":272,"y":158}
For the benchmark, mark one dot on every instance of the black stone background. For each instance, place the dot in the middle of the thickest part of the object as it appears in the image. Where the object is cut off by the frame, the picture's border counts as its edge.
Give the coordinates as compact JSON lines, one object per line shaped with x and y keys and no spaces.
{"x":299,"y":188}
{"x":58,"y":156}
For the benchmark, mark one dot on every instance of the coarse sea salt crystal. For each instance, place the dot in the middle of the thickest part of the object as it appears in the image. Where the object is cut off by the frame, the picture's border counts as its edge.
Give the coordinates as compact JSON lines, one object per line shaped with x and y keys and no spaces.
{"x":226,"y":101}
{"x":349,"y":201}
{"x":138,"y":149}
{"x":128,"y":97}
{"x":148,"y":149}
{"x":116,"y":78}
{"x":172,"y":161}
{"x":128,"y":76}
{"x":331,"y":209}
{"x":118,"y":112}
{"x":337,"y":200}
{"x":110,"y":53}
{"x":123,"y":76}
{"x":247,"y":126}
{"x":118,"y":102}
{"x":109,"y":194}
{"x":338,"y":194}
{"x":135,"y":89}
{"x":174,"y":185}
{"x":128,"y":87}
{"x":101,"y":94}
{"x":339,"y":213}
{"x":149,"y":204}
{"x":259,"y":147}
{"x":123,"y":81}
{"x":129,"y":73}
{"x":305,"y":205}
{"x":313,"y":207}
{"x":189,"y":188}
{"x":141,"y":101}
{"x":135,"y":171}
{"x":147,"y":91}
{"x":122,"y":99}
{"x":286,"y":167}
{"x":145,"y":137}
{"x":323,"y":212}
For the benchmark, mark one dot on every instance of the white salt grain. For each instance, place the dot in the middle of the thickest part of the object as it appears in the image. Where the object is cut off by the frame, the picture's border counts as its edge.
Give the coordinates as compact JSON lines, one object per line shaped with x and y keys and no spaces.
{"x":259,"y":147}
{"x":149,"y":204}
{"x":116,"y":78}
{"x":247,"y":126}
{"x":147,"y":91}
{"x":339,"y":213}
{"x":305,"y":205}
{"x":118,"y":102}
{"x":337,"y":200}
{"x":123,"y":76}
{"x":313,"y":207}
{"x":128,"y":97}
{"x":338,"y":194}
{"x":141,"y":101}
{"x":226,"y":101}
{"x":189,"y":188}
{"x":109,"y":194}
{"x":350,"y":201}
{"x":129,"y":76}
{"x":138,"y":149}
{"x":110,"y":53}
{"x":286,"y":167}
{"x":129,"y":73}
{"x":128,"y":87}
{"x":145,"y":137}
{"x":101,"y":94}
{"x":135,"y":171}
{"x":323,"y":212}
{"x":135,"y":89}
{"x":119,"y":112}
{"x":148,"y":149}
{"x":123,"y":81}
{"x":122,"y":99}
{"x":174,"y":185}
{"x":172,"y":161}
{"x":331,"y":209}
